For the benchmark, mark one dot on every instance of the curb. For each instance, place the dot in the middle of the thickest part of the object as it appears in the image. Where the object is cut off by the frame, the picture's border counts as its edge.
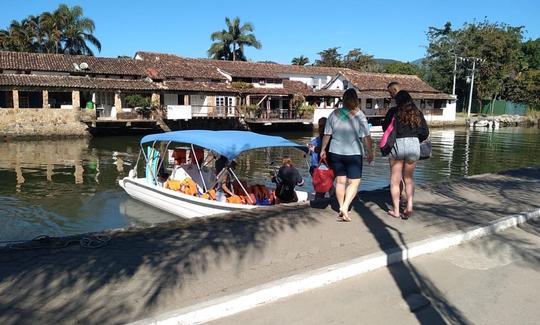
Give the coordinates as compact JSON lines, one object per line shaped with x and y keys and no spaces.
{"x":272,"y":291}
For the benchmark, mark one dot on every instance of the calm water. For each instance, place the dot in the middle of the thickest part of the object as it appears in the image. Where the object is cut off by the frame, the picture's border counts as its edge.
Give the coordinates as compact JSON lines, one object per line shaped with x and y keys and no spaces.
{"x":60,"y":187}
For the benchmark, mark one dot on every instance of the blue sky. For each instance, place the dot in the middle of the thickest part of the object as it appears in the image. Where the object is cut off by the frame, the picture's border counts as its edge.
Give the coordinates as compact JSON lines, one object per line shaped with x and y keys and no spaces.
{"x":385,"y":29}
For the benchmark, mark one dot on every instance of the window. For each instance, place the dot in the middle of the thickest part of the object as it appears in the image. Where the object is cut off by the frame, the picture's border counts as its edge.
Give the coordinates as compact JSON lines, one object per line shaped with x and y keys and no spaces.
{"x":181,"y":100}
{"x":369,"y":103}
{"x":345,"y":84}
{"x":262,"y":81}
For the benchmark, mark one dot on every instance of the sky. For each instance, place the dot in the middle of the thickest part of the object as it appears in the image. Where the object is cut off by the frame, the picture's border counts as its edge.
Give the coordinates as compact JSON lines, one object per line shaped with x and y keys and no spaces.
{"x":385,"y":29}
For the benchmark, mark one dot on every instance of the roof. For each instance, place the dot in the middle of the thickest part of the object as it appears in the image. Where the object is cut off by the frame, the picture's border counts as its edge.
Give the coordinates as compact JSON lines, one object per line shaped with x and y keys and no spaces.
{"x":380,"y":81}
{"x":199,"y":86}
{"x":65,"y":63}
{"x":240,"y":68}
{"x":49,"y":81}
{"x":227,"y":143}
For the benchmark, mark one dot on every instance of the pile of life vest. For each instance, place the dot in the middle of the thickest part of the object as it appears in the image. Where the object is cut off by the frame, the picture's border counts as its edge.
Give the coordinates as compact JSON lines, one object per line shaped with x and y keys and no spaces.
{"x":258,"y":194}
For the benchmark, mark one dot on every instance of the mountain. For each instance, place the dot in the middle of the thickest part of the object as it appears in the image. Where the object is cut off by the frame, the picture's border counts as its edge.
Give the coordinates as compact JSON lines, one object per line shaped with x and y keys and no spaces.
{"x":384,"y":62}
{"x":418,"y":62}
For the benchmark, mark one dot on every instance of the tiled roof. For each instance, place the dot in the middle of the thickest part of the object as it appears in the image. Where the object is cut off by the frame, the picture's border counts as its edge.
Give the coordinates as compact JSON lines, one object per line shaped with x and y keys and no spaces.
{"x":72,"y":82}
{"x":169,"y":66}
{"x":65,"y":63}
{"x":241,"y":68}
{"x":199,"y":86}
{"x":379,"y":81}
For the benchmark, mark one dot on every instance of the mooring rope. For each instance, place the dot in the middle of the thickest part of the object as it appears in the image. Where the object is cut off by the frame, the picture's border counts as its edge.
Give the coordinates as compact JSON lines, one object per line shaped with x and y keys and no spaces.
{"x":43,"y":241}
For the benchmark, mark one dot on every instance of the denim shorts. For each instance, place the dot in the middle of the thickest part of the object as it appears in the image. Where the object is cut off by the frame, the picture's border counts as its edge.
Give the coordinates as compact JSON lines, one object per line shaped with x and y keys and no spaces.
{"x":346,"y":165}
{"x":407,"y":149}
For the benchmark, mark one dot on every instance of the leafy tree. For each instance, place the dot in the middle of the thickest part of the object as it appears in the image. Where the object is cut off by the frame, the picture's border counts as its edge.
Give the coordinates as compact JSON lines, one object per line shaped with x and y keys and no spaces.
{"x":330,"y":58}
{"x":229,"y":43}
{"x":357,"y":60}
{"x":65,"y":30}
{"x":503,"y":54}
{"x":402,"y":68}
{"x":300,"y":60}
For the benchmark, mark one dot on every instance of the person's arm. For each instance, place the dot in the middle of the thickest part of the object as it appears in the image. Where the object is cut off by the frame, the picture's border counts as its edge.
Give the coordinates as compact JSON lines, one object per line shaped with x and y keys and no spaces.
{"x":224,"y":186}
{"x":388,"y":117}
{"x":328,"y":130}
{"x":324,"y":145}
{"x":423,"y":130}
{"x":317,"y":148}
{"x":368,"y":144}
{"x":299,"y":179}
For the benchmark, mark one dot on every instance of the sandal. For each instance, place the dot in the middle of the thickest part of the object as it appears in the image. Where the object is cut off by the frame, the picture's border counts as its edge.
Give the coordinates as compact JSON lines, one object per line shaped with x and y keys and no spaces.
{"x":344,"y":216}
{"x":406,"y":215}
{"x":393,"y":214}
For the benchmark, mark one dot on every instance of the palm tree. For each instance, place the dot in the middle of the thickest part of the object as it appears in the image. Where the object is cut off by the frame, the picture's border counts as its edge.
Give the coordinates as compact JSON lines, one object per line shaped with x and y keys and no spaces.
{"x":229,"y":43}
{"x":300,"y":60}
{"x":65,"y":30}
{"x":52,"y":31}
{"x":76,"y":31}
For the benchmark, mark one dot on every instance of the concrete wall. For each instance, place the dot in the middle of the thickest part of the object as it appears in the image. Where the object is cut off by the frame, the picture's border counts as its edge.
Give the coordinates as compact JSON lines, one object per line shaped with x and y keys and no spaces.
{"x":41,"y":123}
{"x":448,"y":115}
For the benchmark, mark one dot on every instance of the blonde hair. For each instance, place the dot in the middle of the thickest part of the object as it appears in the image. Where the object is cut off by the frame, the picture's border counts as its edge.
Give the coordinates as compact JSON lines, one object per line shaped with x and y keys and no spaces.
{"x":350,"y":99}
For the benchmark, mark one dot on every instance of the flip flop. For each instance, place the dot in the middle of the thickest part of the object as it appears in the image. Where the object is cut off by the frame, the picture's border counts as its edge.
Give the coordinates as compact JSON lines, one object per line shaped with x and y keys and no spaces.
{"x":392,"y":214}
{"x":345,"y":216}
{"x":407,"y":215}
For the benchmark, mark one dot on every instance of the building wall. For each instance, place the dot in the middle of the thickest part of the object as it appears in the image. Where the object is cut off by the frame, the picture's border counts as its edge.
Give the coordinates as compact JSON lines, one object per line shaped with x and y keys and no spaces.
{"x":449,"y":113}
{"x":311,"y":80}
{"x":40,"y":122}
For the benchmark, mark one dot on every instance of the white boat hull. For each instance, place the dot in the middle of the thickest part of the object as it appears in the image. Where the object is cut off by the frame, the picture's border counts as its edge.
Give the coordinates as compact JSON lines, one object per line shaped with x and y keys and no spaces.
{"x":179,"y":203}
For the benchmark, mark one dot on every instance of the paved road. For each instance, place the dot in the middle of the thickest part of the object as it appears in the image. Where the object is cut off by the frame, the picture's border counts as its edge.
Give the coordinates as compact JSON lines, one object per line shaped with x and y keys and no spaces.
{"x":495,"y":280}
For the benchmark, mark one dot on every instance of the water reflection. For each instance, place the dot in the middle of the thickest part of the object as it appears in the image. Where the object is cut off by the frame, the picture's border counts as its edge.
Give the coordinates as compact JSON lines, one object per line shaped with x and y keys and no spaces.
{"x":58,"y":187}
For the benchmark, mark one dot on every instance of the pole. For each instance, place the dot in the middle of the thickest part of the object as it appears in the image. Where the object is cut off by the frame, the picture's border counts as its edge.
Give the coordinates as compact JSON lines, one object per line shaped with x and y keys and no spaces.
{"x":454,"y":84}
{"x":472,"y":86}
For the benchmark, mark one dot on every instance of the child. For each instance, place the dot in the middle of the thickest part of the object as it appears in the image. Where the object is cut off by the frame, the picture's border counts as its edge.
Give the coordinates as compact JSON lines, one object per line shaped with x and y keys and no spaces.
{"x":315,"y":150}
{"x":287,"y":178}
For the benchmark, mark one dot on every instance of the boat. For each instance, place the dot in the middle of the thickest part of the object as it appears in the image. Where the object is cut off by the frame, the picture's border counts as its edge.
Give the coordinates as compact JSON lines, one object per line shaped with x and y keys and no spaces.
{"x":230,"y":144}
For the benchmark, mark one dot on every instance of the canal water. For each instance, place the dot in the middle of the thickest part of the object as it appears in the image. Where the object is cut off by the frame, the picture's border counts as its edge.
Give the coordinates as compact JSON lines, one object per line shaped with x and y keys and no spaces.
{"x":64,"y":187}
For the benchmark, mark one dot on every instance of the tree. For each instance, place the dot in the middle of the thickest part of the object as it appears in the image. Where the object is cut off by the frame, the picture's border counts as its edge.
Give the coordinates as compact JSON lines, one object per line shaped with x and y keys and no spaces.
{"x":65,"y":30}
{"x":300,"y":60}
{"x":229,"y":43}
{"x":402,"y":68}
{"x":329,"y":58}
{"x":357,"y":60}
{"x":77,"y":31}
{"x":500,"y":46}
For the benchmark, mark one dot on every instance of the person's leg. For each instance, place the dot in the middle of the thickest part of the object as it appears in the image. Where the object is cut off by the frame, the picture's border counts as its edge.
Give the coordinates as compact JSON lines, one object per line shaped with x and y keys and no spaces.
{"x":341,"y":182}
{"x":395,"y":180}
{"x":350,"y":194}
{"x":408,"y":171}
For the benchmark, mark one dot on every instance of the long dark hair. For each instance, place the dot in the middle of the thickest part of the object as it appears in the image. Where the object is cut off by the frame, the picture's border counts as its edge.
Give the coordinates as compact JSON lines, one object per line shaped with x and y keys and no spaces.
{"x":407,"y":111}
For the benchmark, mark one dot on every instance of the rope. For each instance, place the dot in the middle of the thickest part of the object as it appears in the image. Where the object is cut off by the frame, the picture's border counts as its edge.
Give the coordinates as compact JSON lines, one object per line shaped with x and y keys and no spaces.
{"x":39,"y":242}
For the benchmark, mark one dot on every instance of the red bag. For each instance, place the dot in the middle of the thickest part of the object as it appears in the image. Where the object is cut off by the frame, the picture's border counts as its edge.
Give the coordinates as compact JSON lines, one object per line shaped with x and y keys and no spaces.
{"x":323,"y":177}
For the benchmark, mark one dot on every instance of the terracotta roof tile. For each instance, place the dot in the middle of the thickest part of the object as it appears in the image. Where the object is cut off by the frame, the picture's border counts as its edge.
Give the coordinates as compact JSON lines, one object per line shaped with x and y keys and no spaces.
{"x":199,"y":86}
{"x":65,"y":63}
{"x":72,"y":82}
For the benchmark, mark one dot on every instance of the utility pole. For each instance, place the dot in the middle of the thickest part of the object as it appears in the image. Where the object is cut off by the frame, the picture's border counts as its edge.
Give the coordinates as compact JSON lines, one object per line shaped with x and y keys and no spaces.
{"x":474,"y":59}
{"x":455,"y":67}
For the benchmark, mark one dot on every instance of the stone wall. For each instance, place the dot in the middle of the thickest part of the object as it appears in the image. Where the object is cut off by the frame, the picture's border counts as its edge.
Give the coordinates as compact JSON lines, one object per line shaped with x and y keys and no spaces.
{"x":39,"y":122}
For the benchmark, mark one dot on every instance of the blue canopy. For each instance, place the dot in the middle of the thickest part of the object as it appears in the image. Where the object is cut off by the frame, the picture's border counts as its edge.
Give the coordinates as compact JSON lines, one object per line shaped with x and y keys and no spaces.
{"x":227,"y":143}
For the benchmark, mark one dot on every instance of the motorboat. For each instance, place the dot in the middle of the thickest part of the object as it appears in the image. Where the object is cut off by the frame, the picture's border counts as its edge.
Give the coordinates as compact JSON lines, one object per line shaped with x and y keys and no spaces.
{"x":152,"y":189}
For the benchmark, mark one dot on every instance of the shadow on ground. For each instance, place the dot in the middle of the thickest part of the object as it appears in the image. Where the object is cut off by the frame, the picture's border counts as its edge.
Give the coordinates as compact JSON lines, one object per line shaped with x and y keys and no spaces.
{"x":168,"y":254}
